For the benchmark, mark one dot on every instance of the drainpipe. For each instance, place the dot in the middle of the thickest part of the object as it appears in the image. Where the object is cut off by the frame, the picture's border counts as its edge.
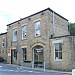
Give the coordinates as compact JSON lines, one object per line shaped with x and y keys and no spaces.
{"x":53,"y":25}
{"x":72,"y":56}
{"x":33,"y":60}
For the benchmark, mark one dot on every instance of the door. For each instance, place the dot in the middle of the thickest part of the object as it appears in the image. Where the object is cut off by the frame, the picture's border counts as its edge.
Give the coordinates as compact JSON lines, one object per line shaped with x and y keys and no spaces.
{"x":13,"y":56}
{"x":38,"y":56}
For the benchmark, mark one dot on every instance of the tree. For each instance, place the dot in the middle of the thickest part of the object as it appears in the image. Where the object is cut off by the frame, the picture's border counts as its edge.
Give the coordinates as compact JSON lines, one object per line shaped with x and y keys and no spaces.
{"x":72,"y":28}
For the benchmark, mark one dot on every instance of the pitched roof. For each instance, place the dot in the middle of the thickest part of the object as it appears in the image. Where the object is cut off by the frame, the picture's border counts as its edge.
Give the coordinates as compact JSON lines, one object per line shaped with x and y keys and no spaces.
{"x":3,"y":33}
{"x":38,"y":13}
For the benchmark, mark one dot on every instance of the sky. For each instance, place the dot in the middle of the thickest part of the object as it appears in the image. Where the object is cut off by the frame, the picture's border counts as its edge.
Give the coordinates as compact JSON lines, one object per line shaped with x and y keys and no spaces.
{"x":13,"y":10}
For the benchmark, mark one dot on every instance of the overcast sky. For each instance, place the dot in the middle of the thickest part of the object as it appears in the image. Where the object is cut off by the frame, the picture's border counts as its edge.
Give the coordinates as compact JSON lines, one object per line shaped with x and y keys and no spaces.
{"x":12,"y":10}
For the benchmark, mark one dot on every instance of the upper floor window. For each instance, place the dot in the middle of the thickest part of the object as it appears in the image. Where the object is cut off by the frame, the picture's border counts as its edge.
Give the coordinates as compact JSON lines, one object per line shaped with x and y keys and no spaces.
{"x":37,"y":28}
{"x":24,"y":32}
{"x":3,"y":42}
{"x":15,"y":35}
{"x":58,"y":51}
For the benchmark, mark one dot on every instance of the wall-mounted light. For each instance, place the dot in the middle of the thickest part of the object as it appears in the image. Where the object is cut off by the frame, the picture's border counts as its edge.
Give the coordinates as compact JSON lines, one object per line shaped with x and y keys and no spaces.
{"x":18,"y":22}
{"x":51,"y":21}
{"x":9,"y":26}
{"x":29,"y":18}
{"x":42,"y":13}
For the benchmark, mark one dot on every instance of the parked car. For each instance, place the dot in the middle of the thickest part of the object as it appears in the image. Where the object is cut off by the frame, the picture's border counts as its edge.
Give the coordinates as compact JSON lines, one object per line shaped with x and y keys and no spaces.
{"x":1,"y":59}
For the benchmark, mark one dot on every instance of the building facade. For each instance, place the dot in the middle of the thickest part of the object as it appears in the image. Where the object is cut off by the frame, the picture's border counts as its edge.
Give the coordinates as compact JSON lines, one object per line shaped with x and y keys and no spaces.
{"x":41,"y":37}
{"x":3,"y":45}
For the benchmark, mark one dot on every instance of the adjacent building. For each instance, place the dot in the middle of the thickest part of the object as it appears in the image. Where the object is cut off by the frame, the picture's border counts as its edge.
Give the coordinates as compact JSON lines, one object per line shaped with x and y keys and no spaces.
{"x":40,"y":37}
{"x":3,"y":45}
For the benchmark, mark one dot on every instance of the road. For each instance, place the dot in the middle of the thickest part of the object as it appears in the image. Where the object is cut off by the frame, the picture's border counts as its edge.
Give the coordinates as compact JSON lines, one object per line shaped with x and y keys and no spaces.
{"x":6,"y":69}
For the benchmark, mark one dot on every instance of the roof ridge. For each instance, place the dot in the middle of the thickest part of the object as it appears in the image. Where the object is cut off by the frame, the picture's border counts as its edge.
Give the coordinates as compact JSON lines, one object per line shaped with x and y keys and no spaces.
{"x":38,"y":13}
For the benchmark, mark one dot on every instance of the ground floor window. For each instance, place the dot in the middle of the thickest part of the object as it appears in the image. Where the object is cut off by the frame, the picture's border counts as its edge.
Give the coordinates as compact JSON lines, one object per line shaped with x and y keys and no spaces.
{"x":58,"y":51}
{"x":24,"y":54}
{"x":15,"y":54}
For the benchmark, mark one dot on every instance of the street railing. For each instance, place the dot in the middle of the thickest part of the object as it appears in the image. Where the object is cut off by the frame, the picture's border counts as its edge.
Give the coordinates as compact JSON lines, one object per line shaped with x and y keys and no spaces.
{"x":34,"y":66}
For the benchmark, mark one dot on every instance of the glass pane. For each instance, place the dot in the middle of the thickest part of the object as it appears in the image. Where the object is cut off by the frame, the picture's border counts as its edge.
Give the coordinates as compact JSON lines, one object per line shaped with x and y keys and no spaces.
{"x":24,"y":51}
{"x":3,"y":44}
{"x":60,"y":47}
{"x":25,"y":57}
{"x":56,"y":55}
{"x":15,"y":35}
{"x":24,"y":54}
{"x":37,"y":25}
{"x":56,"y":47}
{"x":41,"y":57}
{"x":3,"y":40}
{"x":38,"y":33}
{"x":60,"y":55}
{"x":15,"y":38}
{"x":37,"y":28}
{"x":36,"y":57}
{"x":15,"y":54}
{"x":35,"y":51}
{"x":24,"y":30}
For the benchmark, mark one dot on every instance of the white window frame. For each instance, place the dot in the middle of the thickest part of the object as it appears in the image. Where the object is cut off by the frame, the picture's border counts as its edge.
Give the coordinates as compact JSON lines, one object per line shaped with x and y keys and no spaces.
{"x":15,"y":37}
{"x":37,"y":28}
{"x":58,"y":54}
{"x":55,"y":42}
{"x":3,"y":42}
{"x":24,"y":33}
{"x":24,"y":56}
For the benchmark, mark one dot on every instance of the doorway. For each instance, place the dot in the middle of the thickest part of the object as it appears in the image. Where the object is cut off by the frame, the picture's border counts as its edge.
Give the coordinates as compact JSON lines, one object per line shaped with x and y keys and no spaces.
{"x":13,"y":56}
{"x":38,"y":56}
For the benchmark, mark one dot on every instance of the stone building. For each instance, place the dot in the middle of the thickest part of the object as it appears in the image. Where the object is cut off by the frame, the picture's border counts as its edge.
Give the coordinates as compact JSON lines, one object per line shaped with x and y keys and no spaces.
{"x":40,"y":37}
{"x":3,"y":45}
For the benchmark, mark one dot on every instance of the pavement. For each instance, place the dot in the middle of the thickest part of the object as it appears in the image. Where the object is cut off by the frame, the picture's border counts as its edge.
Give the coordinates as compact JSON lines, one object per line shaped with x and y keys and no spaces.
{"x":41,"y":70}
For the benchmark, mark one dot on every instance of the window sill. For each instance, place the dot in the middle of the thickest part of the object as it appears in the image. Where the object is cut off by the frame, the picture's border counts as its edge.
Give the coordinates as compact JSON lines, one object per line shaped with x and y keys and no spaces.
{"x":3,"y":46}
{"x":24,"y":39}
{"x":14,"y":41}
{"x":25,"y":61}
{"x":37,"y":36}
{"x":58,"y":60}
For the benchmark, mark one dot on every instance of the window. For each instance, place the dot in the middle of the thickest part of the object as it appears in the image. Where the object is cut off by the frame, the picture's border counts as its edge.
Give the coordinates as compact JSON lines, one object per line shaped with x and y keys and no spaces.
{"x":58,"y":51}
{"x":24,"y":32}
{"x":15,"y":35}
{"x":24,"y":54}
{"x":0,"y":51}
{"x":15,"y":54}
{"x":37,"y":28}
{"x":3,"y":42}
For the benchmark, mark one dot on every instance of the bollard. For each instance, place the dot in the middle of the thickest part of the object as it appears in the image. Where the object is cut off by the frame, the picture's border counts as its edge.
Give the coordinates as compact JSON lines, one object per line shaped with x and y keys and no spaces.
{"x":73,"y":71}
{"x":32,"y":65}
{"x":44,"y":66}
